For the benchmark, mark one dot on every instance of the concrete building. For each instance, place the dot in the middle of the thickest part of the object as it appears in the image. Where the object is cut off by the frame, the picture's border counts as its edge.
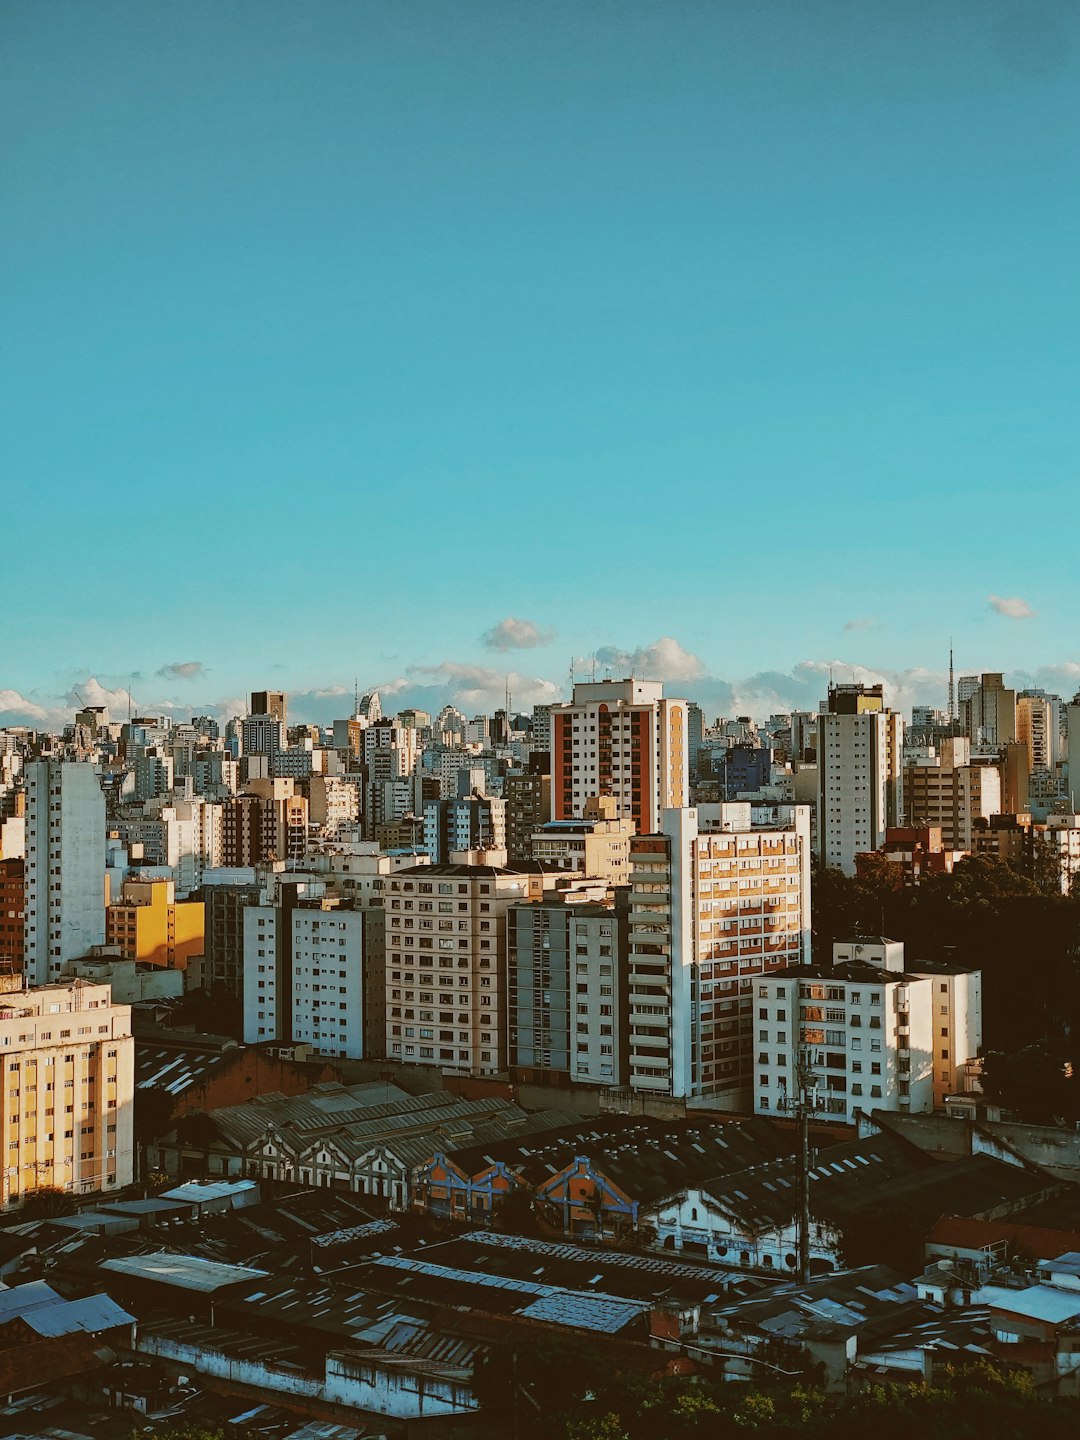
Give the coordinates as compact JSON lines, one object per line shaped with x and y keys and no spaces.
{"x":333,"y":805}
{"x":869,"y":1033}
{"x":528,"y":806}
{"x":1037,"y":728}
{"x":918,"y":851}
{"x":715,"y":902}
{"x":149,"y":925}
{"x":270,"y":702}
{"x":446,"y":964}
{"x":620,"y":738}
{"x":129,"y":983}
{"x":12,"y":916}
{"x":467,"y":822}
{"x":987,"y":712}
{"x":859,"y":774}
{"x":226,"y":893}
{"x":303,"y":970}
{"x":65,"y":866}
{"x":67,"y":1106}
{"x":566,"y":994}
{"x":1072,"y":750}
{"x":945,"y":789}
{"x":597,"y":845}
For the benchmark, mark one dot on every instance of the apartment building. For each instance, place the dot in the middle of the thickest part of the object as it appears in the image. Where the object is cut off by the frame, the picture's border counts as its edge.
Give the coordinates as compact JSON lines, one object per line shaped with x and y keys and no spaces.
{"x":467,"y":822}
{"x":67,"y":1106}
{"x":718,"y":898}
{"x":864,"y":1032}
{"x":149,"y":924}
{"x":860,"y":743}
{"x":227,"y":892}
{"x":620,"y":738}
{"x":596,"y":845}
{"x":528,"y":806}
{"x":304,"y":971}
{"x":987,"y":711}
{"x":12,"y":916}
{"x":65,"y":866}
{"x":446,"y":964}
{"x":566,"y":993}
{"x":944,"y":788}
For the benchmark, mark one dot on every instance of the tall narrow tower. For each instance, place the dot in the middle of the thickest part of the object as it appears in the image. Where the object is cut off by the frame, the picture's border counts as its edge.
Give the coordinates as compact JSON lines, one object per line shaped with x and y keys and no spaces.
{"x":952,"y":689}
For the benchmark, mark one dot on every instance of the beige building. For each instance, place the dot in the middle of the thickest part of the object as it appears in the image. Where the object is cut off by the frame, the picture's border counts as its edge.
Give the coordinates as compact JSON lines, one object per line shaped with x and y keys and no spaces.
{"x":716,"y":901}
{"x":988,"y":711}
{"x":598,"y":844}
{"x":67,"y":1105}
{"x":1035,"y":722}
{"x":620,"y":738}
{"x":943,"y":788}
{"x":446,"y":963}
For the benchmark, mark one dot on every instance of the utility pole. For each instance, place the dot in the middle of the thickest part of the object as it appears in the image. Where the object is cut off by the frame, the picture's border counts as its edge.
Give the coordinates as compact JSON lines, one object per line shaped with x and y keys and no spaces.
{"x":803,"y":1105}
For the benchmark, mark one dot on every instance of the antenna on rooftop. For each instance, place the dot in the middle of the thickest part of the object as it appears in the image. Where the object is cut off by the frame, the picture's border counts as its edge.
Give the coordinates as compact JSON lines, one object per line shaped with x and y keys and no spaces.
{"x":952,"y":689}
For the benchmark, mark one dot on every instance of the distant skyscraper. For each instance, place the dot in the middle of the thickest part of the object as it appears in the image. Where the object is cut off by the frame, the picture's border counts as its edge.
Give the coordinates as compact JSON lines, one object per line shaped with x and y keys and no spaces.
{"x":65,"y":866}
{"x":270,"y":702}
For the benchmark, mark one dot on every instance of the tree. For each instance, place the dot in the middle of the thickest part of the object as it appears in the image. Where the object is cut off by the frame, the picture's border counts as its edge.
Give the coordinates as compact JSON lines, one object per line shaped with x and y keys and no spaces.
{"x":46,"y":1202}
{"x":1035,"y":1081}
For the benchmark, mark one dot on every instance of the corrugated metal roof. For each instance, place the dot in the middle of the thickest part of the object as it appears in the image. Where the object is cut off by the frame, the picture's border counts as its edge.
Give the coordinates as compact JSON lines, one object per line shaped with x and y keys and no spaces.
{"x":186,"y":1272}
{"x":197,"y":1192}
{"x":91,"y":1315}
{"x":21,"y":1299}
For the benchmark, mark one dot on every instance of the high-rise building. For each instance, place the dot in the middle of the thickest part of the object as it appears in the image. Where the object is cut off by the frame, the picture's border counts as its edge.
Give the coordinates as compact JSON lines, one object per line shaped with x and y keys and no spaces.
{"x":597,"y":845}
{"x":446,"y":964}
{"x":987,"y":711}
{"x":528,"y":806}
{"x":12,"y":915}
{"x":1072,"y":742}
{"x":66,"y":1107}
{"x":152,"y":927}
{"x":227,"y":892}
{"x":620,"y":738}
{"x":65,"y":866}
{"x":270,"y":702}
{"x":718,"y":898}
{"x":860,"y":785}
{"x":944,"y":788}
{"x":303,"y":970}
{"x":566,"y":993}
{"x":468,"y":822}
{"x":1037,"y":728}
{"x":870,"y":1033}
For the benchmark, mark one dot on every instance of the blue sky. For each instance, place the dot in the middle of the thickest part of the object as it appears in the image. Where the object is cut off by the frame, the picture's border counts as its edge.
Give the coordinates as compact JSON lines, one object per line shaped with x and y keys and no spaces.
{"x":726,"y":339}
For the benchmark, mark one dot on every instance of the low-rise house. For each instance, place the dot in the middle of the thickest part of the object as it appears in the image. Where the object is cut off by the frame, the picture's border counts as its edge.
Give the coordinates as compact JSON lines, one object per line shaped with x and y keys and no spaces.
{"x":593,"y":1178}
{"x":749,"y":1218}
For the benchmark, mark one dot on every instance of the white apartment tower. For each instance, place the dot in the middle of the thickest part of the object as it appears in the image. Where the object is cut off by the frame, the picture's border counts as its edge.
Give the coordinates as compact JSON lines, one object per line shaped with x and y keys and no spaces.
{"x":716,"y":901}
{"x":620,"y":738}
{"x":65,"y":866}
{"x":304,"y":970}
{"x":867,"y":1033}
{"x":859,"y":774}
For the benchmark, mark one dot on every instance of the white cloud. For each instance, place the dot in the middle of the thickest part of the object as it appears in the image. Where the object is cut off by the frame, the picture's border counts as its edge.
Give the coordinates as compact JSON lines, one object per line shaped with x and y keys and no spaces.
{"x":1011,"y":606}
{"x":182,"y":670}
{"x":664,"y":659}
{"x":19,"y":709}
{"x":862,"y":623}
{"x":515,"y":634}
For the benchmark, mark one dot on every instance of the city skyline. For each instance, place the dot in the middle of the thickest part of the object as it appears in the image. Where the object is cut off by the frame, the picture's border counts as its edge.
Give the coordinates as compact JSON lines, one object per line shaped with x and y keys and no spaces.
{"x":184,"y":688}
